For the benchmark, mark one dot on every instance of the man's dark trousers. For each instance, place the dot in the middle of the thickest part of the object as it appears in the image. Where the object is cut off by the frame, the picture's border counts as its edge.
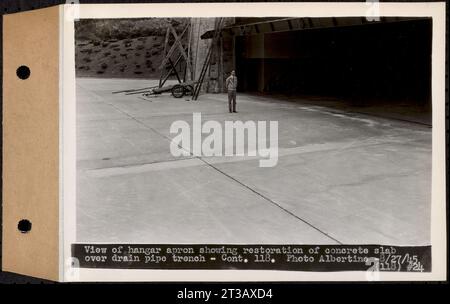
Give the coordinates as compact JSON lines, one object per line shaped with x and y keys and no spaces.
{"x":232,"y":100}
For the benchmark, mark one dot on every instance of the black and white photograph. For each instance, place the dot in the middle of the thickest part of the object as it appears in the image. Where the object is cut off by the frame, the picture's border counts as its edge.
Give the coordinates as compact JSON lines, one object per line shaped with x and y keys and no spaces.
{"x":277,"y":131}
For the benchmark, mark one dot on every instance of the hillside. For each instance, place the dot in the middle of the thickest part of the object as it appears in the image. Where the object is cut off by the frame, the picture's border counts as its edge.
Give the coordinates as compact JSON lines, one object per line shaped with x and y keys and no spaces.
{"x":122,"y":48}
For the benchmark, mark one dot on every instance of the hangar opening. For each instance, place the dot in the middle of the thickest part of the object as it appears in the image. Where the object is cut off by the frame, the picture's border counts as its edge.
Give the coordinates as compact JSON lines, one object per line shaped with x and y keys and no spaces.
{"x":381,"y":66}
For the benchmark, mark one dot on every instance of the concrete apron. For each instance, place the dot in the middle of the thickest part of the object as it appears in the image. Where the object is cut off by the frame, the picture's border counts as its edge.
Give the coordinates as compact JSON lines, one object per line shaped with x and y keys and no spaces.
{"x":341,"y":177}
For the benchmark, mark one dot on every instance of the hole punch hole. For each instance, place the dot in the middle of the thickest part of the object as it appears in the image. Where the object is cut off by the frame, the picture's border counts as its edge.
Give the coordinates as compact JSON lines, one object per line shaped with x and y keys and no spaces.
{"x":23,"y":72}
{"x":24,"y":226}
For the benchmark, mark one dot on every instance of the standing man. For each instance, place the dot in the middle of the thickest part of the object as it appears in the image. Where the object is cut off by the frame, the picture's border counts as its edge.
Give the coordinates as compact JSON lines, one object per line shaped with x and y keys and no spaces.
{"x":231,"y":84}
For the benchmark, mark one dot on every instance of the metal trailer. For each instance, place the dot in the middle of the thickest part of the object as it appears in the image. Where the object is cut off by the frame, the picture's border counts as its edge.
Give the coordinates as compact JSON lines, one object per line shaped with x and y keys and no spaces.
{"x":177,"y":90}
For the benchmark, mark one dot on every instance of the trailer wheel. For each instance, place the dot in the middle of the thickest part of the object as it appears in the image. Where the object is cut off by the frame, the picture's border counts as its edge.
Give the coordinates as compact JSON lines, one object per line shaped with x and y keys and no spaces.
{"x":178,"y":91}
{"x":189,"y":90}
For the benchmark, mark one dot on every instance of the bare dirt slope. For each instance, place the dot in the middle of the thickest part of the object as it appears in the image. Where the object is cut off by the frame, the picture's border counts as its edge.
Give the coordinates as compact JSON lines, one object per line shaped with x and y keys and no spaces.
{"x":121,"y":48}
